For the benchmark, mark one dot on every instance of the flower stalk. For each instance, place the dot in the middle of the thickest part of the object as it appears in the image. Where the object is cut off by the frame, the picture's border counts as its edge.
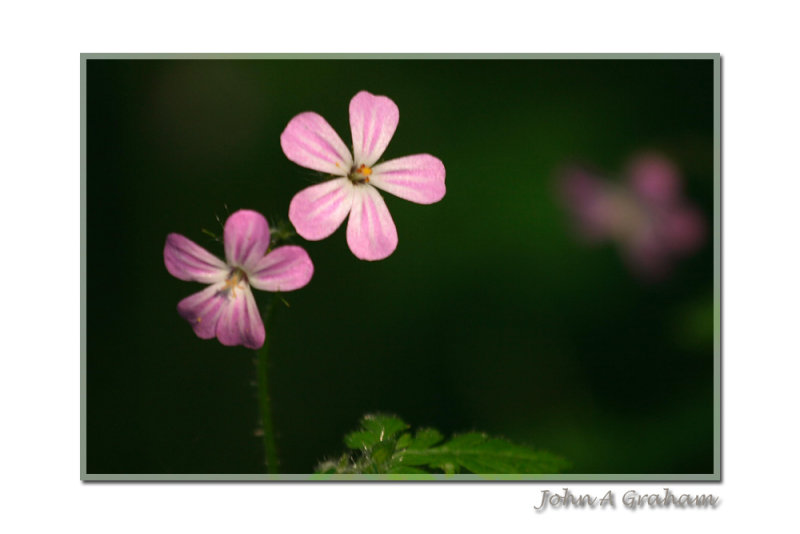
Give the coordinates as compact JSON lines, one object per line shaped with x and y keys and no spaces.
{"x":264,"y":401}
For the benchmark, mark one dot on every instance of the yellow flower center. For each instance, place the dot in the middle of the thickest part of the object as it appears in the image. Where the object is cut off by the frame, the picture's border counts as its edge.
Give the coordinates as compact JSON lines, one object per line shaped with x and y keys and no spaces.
{"x":360,"y":175}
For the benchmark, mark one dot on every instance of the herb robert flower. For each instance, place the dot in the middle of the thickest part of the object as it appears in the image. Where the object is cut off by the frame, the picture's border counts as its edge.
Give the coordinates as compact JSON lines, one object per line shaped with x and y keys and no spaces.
{"x":226,"y":309}
{"x":319,"y":210}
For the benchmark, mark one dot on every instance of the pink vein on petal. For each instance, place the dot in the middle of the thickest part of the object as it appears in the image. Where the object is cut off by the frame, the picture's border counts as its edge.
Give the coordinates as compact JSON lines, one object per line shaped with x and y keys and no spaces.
{"x":317,"y":211}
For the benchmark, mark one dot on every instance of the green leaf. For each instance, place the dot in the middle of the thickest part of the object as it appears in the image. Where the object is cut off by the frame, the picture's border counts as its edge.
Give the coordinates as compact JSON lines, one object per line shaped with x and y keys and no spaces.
{"x":382,"y":454}
{"x":383,"y":426}
{"x":381,"y":445}
{"x":404,"y":440}
{"x":374,"y":429}
{"x":360,"y":440}
{"x":426,"y":437}
{"x":481,"y":454}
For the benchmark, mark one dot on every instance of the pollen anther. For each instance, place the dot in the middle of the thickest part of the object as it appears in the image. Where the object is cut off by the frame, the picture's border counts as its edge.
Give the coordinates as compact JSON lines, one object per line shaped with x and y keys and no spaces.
{"x":233,"y":281}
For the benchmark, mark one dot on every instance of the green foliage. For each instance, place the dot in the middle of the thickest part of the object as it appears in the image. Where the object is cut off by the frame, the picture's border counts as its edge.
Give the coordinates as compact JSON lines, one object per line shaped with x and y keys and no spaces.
{"x":383,"y":445}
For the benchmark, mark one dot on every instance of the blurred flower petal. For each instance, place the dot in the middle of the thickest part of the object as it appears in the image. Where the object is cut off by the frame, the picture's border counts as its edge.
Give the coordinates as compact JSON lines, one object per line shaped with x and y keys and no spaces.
{"x":646,"y":215}
{"x":655,"y":179}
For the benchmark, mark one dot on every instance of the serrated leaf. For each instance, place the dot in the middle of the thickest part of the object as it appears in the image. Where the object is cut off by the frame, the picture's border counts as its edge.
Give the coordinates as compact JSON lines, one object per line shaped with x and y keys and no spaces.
{"x":425,"y":438}
{"x":481,"y":454}
{"x":360,"y":439}
{"x":383,"y":426}
{"x":374,"y":429}
{"x":382,"y":453}
{"x":382,"y":446}
{"x":404,"y":440}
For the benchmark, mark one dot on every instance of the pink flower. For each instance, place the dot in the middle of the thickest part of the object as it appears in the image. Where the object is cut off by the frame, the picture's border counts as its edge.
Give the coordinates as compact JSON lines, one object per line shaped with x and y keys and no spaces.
{"x":317,"y":211}
{"x":646,"y":215}
{"x":226,"y":309}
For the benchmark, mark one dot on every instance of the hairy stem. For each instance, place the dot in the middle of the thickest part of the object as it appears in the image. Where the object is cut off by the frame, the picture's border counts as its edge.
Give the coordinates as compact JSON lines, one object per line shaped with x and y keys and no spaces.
{"x":264,"y":402}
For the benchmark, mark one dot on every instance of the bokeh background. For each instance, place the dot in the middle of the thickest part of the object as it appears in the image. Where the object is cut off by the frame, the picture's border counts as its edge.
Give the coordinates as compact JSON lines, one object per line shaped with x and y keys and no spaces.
{"x":491,"y":314}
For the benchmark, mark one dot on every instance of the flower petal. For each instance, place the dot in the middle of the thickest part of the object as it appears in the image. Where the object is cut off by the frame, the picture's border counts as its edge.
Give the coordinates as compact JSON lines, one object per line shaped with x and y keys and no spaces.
{"x":373,"y":120}
{"x":283,"y":269}
{"x":418,"y":178}
{"x":371,"y":233}
{"x":309,"y":141}
{"x":240,"y":323}
{"x":246,"y":238}
{"x":317,"y":211}
{"x":683,"y":229}
{"x":203,"y":309}
{"x":655,"y":179}
{"x":590,"y":202}
{"x":187,"y":260}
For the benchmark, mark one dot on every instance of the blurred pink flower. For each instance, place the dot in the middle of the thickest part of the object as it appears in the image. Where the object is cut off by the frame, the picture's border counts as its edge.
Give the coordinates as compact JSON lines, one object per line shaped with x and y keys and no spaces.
{"x":647,"y":215}
{"x":319,"y":210}
{"x":226,"y":309}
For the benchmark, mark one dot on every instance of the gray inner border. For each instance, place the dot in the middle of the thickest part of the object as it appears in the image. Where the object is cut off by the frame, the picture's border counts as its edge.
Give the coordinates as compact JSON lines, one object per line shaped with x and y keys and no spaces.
{"x":716,"y":476}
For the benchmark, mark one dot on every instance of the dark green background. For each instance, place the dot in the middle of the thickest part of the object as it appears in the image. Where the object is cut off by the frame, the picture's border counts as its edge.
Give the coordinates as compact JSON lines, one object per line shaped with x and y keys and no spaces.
{"x":490,"y":315}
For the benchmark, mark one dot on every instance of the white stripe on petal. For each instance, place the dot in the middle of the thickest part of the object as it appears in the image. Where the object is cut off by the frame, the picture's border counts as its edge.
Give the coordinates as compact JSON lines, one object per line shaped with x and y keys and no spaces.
{"x":247,"y":238}
{"x":240,"y":322}
{"x":418,"y":178}
{"x":309,"y":141}
{"x":317,"y":211}
{"x":373,"y":120}
{"x":283,"y":269}
{"x":187,"y":260}
{"x":371,"y":233}
{"x":203,"y":310}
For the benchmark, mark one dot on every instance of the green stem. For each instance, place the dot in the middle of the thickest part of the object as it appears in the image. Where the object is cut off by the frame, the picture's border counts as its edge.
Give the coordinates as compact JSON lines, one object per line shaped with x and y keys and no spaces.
{"x":264,"y":402}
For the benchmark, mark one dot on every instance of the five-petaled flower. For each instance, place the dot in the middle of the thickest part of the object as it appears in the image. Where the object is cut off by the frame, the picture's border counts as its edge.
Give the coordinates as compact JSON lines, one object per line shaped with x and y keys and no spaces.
{"x":646,"y":215}
{"x":226,"y":309}
{"x":319,"y":210}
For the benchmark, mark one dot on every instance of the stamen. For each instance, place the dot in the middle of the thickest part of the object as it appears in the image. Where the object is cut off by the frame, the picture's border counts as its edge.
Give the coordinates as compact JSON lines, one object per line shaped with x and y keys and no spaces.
{"x":360,"y":174}
{"x":233,"y":281}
